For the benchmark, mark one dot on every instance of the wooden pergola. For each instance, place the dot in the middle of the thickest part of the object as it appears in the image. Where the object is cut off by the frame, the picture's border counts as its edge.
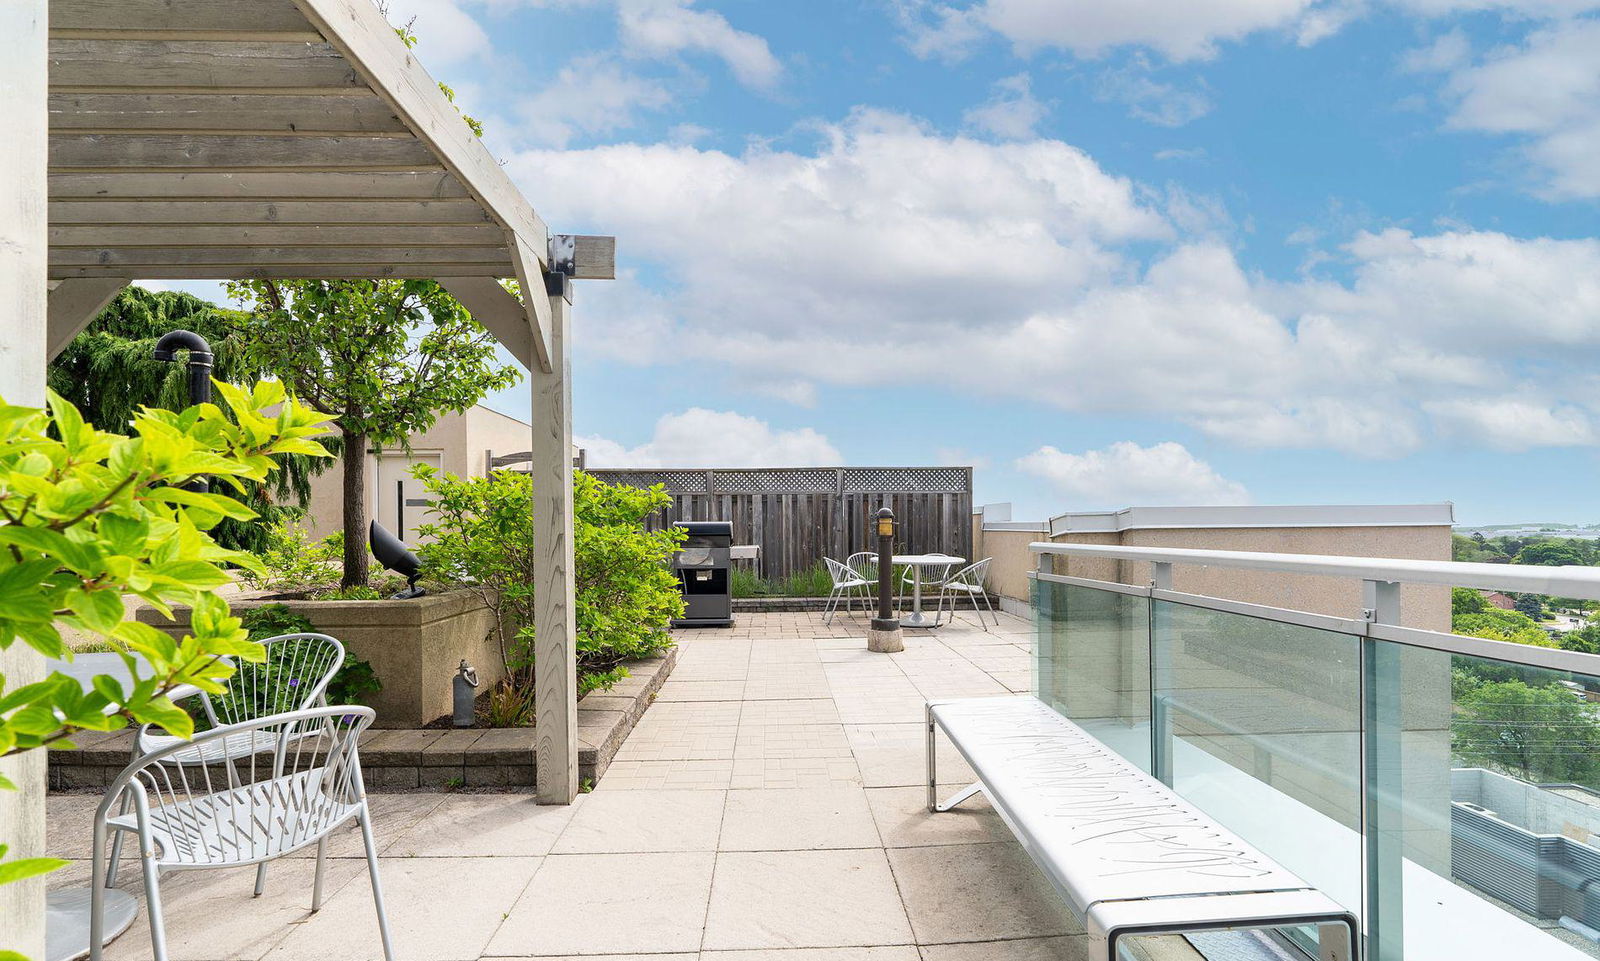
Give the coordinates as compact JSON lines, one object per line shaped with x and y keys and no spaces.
{"x":219,"y":139}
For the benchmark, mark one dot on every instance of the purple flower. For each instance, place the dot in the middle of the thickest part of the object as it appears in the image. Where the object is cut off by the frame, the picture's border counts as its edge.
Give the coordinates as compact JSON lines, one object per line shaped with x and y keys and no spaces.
{"x":294,"y":682}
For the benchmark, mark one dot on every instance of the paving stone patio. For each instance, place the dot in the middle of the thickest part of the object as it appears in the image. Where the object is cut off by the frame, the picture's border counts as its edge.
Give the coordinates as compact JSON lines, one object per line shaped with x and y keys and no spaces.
{"x":768,"y":807}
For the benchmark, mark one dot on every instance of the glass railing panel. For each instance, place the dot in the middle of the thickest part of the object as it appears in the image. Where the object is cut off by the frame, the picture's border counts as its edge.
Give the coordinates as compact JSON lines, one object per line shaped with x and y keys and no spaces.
{"x":1092,"y":663}
{"x":1258,"y":724}
{"x":1496,"y":848}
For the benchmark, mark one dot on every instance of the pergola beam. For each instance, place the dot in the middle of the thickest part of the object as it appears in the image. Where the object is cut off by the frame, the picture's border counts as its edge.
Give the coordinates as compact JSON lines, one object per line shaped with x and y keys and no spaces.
{"x":197,"y":213}
{"x":368,"y":42}
{"x":130,"y":236}
{"x":500,"y":314}
{"x":222,"y":152}
{"x":72,"y":304}
{"x":267,"y":112}
{"x":122,"y":63}
{"x":124,"y":16}
{"x":352,"y":185}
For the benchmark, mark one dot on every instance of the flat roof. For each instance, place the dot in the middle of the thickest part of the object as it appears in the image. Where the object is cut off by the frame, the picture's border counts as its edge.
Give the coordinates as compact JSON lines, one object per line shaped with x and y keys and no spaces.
{"x":1267,"y":515}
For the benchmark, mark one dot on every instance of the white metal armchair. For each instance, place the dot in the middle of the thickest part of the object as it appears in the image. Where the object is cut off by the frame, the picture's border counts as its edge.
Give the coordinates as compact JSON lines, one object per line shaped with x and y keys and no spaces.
{"x":240,"y":810}
{"x":294,"y":676}
{"x":968,"y":583}
{"x":847,"y":586}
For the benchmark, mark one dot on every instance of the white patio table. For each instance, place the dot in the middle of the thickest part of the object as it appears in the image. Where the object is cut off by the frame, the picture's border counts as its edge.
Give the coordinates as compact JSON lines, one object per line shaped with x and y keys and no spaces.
{"x":917,"y":562}
{"x":66,"y":926}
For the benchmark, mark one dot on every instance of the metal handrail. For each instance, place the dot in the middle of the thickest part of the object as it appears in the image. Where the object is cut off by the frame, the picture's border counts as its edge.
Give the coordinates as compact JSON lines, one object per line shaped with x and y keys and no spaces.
{"x":1578,"y":582}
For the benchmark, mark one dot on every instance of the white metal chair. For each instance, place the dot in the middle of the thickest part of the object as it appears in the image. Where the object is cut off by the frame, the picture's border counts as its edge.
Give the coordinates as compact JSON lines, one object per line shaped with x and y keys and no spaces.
{"x":846,"y":582}
{"x":295,"y":676}
{"x":968,"y":583}
{"x":240,"y":810}
{"x":864,"y":564}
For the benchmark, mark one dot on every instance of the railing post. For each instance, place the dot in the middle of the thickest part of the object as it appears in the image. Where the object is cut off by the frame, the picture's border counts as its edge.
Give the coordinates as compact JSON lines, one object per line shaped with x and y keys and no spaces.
{"x":1381,"y":781}
{"x":1160,"y":736}
{"x":1160,"y":710}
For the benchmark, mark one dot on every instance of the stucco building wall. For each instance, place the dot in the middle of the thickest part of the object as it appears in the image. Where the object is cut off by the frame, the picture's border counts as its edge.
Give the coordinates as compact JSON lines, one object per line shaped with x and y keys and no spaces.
{"x":458,"y":443}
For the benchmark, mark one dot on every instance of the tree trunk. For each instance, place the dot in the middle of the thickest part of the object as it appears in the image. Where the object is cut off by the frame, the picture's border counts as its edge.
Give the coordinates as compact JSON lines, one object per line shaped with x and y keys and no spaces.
{"x":355,"y":510}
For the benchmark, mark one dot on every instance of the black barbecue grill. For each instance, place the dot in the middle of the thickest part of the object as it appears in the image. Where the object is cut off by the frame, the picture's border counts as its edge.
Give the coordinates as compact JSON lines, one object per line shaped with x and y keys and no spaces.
{"x":702,"y":564}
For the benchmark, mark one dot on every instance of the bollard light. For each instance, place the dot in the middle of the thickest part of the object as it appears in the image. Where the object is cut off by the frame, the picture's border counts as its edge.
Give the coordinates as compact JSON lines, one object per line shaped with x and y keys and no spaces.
{"x":884,"y":635}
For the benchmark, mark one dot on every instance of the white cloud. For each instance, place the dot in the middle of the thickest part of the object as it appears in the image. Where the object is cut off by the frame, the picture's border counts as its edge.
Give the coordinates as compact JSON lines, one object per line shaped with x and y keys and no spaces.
{"x":1126,"y":475}
{"x":446,"y":34}
{"x":1012,"y":113}
{"x":1147,"y":99}
{"x":1514,"y":423}
{"x":706,"y":438}
{"x":1179,"y":29}
{"x":1023,"y":270}
{"x":1547,"y":90}
{"x":667,"y":28}
{"x":588,"y":96}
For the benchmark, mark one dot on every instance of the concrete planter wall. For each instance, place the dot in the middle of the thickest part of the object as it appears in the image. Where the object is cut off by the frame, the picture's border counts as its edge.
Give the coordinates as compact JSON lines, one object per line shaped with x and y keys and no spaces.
{"x":414,"y":646}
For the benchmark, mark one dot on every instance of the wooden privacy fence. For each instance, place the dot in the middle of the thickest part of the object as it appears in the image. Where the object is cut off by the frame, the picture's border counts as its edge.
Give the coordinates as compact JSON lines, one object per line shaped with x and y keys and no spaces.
{"x":798,"y":515}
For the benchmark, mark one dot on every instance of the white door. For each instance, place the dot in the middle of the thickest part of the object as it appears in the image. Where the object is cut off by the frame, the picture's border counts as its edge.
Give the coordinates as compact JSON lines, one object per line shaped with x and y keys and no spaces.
{"x":401,"y":504}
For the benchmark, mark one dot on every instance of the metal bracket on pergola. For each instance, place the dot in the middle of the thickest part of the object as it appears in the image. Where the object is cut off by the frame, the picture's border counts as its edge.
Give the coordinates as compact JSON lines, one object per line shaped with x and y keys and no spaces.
{"x":221,"y":139}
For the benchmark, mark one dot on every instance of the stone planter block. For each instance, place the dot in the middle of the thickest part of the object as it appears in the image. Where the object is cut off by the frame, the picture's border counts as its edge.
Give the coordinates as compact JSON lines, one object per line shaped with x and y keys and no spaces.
{"x":414,"y":646}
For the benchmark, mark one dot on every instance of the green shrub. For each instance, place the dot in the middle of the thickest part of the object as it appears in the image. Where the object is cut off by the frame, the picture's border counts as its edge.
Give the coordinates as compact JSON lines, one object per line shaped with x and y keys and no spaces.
{"x":292,"y":561}
{"x":483,"y":541}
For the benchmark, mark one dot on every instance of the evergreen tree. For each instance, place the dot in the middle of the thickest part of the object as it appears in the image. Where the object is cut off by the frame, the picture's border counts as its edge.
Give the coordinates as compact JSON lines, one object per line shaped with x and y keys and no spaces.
{"x":109,"y":373}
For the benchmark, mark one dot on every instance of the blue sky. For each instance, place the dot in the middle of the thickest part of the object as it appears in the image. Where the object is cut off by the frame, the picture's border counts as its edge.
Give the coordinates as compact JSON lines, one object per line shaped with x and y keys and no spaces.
{"x":1152,"y":251}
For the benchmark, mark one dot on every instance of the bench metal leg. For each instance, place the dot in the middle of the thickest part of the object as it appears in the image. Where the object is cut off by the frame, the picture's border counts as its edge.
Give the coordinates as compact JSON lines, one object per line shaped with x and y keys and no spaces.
{"x":958,"y":797}
{"x":935,"y":806}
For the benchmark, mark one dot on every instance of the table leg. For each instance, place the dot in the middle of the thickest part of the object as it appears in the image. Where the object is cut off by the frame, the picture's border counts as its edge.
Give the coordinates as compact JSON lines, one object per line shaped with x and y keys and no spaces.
{"x":916,"y":619}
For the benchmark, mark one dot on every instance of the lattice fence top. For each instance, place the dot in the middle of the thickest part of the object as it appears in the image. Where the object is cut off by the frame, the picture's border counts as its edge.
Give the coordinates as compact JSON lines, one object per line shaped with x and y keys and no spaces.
{"x":921,"y":480}
{"x":775,"y":482}
{"x":676,"y":481}
{"x":800,"y":480}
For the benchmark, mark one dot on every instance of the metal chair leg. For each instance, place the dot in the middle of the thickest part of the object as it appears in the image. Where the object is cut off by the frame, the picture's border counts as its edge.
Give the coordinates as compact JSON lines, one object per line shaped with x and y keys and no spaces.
{"x":116,"y":846}
{"x":316,"y":884}
{"x":377,"y":886}
{"x":152,"y":891}
{"x":261,"y":878}
{"x":97,"y":891}
{"x":832,"y":605}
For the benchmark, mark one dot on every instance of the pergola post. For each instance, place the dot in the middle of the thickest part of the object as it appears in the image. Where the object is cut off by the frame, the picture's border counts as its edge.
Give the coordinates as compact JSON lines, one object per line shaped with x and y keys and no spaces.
{"x":23,"y":254}
{"x":555,"y":637}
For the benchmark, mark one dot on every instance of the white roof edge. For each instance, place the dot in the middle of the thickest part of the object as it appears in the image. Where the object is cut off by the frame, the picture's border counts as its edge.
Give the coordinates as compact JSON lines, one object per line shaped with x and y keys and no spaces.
{"x":1274,"y":515}
{"x":1035,"y":526}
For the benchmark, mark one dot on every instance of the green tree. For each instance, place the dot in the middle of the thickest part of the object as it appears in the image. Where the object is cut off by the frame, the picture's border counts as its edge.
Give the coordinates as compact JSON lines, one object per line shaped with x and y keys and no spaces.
{"x":1531,"y":605}
{"x":107,"y":373}
{"x":1498,"y":625}
{"x":87,"y":516}
{"x":1542,"y":733}
{"x":1550,"y":554}
{"x":1465,"y":600}
{"x":1585,"y":640}
{"x":385,"y":357}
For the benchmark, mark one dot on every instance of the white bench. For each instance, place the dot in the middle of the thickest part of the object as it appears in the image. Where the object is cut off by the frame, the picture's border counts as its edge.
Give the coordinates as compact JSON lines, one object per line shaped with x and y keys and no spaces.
{"x":1127,"y":853}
